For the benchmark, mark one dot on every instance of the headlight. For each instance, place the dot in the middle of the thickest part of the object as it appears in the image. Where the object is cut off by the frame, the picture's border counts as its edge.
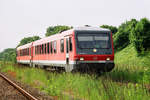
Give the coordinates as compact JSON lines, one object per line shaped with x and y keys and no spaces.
{"x":81,"y":58}
{"x":108,"y":58}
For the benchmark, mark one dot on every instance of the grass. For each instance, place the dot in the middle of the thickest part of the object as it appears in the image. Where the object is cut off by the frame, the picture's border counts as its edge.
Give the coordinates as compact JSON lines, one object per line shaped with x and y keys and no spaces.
{"x":128,"y":81}
{"x":128,"y":56}
{"x":120,"y":84}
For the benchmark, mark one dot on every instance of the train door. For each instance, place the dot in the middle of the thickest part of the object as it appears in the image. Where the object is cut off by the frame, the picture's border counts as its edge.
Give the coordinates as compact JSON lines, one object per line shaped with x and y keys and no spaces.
{"x":31,"y":55}
{"x":67,"y":51}
{"x":68,"y":66}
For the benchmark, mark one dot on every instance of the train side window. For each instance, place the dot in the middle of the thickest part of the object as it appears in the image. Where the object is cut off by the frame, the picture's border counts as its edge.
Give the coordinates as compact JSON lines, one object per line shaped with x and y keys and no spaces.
{"x":30,"y":51}
{"x":67,"y":48}
{"x":35,"y":50}
{"x":62,"y":45}
{"x":24,"y":52}
{"x":42,"y":48}
{"x":55,"y":46}
{"x":45,"y":48}
{"x":39,"y":49}
{"x":27,"y":51}
{"x":51,"y":47}
{"x":70,"y":43}
{"x":48,"y":48}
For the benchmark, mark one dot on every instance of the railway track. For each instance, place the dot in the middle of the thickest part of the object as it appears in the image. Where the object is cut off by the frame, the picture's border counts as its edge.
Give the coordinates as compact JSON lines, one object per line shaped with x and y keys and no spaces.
{"x":22,"y":91}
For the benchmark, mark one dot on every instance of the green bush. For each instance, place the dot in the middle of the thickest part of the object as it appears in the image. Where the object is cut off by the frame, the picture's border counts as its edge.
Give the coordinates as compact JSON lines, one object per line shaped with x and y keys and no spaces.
{"x":141,"y":35}
{"x":112,"y":28}
{"x":122,"y":37}
{"x":8,"y":55}
{"x":56,"y":29}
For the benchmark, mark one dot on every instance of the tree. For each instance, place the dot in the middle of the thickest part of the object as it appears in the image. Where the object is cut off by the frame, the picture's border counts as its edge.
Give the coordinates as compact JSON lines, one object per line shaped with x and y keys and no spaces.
{"x":122,"y":37}
{"x":56,"y":29}
{"x":8,"y":55}
{"x":28,"y":40}
{"x":141,"y":35}
{"x":112,"y":28}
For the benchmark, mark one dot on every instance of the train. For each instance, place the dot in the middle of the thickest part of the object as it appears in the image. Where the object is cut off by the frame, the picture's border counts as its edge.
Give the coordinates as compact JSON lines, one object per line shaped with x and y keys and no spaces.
{"x":80,"y":48}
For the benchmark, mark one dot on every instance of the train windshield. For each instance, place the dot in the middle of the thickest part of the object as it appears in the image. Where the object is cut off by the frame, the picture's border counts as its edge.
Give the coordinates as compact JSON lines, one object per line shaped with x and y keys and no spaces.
{"x":89,"y":41}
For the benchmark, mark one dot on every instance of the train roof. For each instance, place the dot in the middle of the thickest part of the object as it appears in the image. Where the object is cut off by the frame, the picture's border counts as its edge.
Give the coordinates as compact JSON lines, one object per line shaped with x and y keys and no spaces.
{"x":52,"y":37}
{"x":62,"y":34}
{"x":25,"y":46}
{"x":90,"y":29}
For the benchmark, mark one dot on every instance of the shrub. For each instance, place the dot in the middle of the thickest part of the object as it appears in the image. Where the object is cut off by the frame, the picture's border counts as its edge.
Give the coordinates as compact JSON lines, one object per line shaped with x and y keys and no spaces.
{"x":122,"y":37}
{"x":141,"y":35}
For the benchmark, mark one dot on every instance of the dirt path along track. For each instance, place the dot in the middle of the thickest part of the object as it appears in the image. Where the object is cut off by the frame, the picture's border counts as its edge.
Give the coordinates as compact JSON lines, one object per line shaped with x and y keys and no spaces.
{"x":10,"y":91}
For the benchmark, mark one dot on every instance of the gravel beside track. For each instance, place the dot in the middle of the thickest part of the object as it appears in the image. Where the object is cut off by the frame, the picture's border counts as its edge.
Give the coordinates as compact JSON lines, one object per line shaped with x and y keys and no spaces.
{"x":8,"y":92}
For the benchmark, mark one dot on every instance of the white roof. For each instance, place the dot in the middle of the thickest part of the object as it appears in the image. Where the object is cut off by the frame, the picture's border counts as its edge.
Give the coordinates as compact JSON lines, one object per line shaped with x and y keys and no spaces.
{"x":25,"y":46}
{"x":54,"y":37}
{"x":90,"y":29}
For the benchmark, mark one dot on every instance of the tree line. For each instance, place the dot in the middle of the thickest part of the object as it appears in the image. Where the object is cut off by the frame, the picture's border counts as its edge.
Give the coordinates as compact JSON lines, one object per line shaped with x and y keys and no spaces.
{"x":132,"y":32}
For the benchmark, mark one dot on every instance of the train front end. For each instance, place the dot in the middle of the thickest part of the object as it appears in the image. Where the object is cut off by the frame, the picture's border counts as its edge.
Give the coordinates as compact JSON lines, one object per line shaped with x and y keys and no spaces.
{"x":94,"y":49}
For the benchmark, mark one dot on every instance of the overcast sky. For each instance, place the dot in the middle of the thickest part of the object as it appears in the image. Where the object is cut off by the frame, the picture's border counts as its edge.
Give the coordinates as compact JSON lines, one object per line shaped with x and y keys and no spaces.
{"x":23,"y":18}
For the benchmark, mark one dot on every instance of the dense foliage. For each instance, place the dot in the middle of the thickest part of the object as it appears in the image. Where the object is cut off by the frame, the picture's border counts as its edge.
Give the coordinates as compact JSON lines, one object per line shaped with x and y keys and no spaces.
{"x":133,"y":32}
{"x":28,"y":40}
{"x":121,"y":38}
{"x":8,"y":55}
{"x":56,"y":29}
{"x":141,"y":35}
{"x":112,"y":28}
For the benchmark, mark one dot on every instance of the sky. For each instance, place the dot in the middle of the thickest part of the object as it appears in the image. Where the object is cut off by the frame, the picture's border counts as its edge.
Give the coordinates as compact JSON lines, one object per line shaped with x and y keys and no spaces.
{"x":25,"y":18}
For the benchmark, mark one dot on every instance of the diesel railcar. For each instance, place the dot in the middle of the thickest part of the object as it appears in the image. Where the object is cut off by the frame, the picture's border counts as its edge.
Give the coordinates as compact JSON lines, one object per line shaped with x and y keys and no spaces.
{"x":75,"y":49}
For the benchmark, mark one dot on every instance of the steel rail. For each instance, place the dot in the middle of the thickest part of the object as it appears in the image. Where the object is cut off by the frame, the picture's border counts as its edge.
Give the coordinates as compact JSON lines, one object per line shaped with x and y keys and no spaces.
{"x":25,"y":93}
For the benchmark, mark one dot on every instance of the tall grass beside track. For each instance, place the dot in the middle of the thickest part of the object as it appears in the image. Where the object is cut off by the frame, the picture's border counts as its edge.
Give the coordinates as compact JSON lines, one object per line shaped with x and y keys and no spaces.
{"x":123,"y":83}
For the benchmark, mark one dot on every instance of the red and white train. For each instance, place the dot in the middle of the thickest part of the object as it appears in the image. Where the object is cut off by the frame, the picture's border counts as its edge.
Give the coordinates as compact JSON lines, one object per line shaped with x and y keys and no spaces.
{"x":78,"y":48}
